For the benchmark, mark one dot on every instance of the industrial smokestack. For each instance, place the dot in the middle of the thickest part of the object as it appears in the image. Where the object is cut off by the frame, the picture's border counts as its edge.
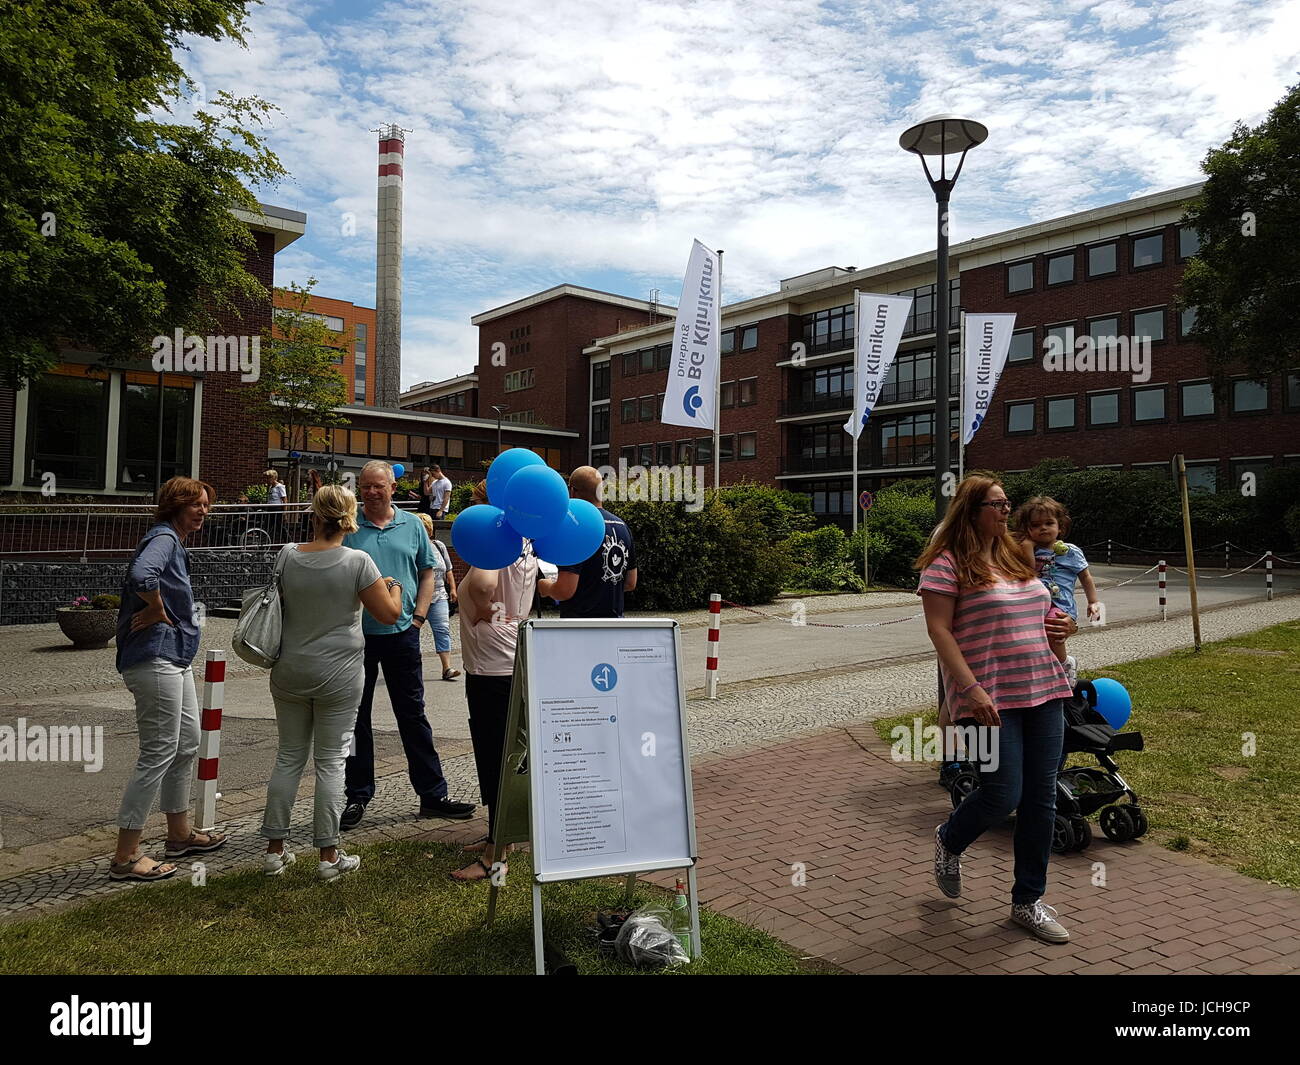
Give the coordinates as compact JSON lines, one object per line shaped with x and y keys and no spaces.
{"x":388,"y":268}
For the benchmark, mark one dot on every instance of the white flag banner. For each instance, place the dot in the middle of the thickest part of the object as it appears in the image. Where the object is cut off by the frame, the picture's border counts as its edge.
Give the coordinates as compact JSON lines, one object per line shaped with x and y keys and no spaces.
{"x":690,"y":398}
{"x":986,"y":341}
{"x":878,"y":327}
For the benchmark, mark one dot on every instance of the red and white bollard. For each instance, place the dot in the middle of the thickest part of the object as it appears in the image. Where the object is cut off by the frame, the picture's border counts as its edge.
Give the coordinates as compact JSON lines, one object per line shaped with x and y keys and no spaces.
{"x":1164,"y":602}
{"x":715,"y":634}
{"x":1268,"y":576}
{"x":214,"y":697}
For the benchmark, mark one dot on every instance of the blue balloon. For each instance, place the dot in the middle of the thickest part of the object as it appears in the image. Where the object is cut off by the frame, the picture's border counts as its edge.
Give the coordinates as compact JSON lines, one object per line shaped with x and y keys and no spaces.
{"x":535,"y":500}
{"x":579,"y":535}
{"x":505,"y":466}
{"x":1113,"y":702}
{"x":483,"y":537}
{"x":398,"y":470}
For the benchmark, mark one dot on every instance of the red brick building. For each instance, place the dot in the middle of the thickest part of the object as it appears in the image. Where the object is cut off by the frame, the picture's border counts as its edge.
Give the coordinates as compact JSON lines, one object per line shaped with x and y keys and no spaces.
{"x":89,"y":431}
{"x":354,"y":327}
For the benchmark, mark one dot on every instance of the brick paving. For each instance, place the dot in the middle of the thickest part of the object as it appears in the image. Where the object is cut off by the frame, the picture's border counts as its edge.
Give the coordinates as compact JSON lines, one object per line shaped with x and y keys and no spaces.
{"x":862,"y":826}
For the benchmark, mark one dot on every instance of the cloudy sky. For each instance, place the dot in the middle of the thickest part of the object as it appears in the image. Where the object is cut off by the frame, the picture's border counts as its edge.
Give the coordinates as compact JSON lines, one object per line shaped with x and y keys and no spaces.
{"x":589,"y":142}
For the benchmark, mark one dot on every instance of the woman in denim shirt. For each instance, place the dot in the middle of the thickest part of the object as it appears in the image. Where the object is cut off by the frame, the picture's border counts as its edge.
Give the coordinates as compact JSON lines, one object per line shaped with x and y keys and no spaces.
{"x":157,"y":639}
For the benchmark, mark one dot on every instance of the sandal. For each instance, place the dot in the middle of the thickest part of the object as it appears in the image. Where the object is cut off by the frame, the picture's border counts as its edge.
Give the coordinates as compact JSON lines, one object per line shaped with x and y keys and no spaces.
{"x":178,"y":849}
{"x":450,"y":674}
{"x":127,"y":870}
{"x":487,"y":873}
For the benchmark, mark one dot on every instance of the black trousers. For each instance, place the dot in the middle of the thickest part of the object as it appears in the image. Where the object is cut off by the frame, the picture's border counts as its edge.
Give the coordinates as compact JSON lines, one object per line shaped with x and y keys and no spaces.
{"x":489,"y":706}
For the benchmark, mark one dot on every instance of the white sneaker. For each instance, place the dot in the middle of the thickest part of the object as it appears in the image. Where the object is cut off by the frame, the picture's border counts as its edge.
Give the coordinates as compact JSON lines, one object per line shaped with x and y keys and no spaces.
{"x":1041,"y":920}
{"x":275,"y":864}
{"x":1071,"y":670}
{"x":345,"y":863}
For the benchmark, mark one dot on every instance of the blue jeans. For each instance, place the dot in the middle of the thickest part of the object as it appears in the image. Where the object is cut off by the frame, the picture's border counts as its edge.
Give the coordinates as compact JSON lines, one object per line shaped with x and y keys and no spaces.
{"x":440,"y":623}
{"x":1029,"y":749}
{"x":399,"y":655}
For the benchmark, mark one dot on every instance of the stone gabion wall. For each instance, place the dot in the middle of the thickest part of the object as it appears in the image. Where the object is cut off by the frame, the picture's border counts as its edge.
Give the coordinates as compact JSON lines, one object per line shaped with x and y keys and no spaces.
{"x":29,"y":591}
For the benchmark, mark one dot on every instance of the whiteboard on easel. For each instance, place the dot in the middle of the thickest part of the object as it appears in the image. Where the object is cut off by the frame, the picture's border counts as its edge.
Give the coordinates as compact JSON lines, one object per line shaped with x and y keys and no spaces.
{"x":609,"y":768}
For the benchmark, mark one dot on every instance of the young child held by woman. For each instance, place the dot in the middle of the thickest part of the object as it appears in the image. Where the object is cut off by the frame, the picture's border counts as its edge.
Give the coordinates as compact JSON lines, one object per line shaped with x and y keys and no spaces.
{"x":1040,"y":524}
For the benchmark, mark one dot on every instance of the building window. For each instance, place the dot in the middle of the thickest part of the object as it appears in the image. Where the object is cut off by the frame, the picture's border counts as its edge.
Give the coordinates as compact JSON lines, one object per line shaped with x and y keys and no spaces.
{"x":1020,"y":417}
{"x":1147,"y":250}
{"x":628,"y":411}
{"x":1197,"y":399}
{"x":358,"y":442}
{"x":628,"y":454}
{"x":748,"y":444}
{"x":1060,"y":412}
{"x":1020,"y":277}
{"x":749,"y":338}
{"x":830,"y":498}
{"x":600,"y":380}
{"x":1254,"y":467}
{"x":665,"y":453}
{"x":728,"y":341}
{"x":67,"y":420}
{"x":629,"y":364}
{"x":1103,"y":260}
{"x":704,"y":450}
{"x":379,"y":445}
{"x":829,"y":329}
{"x":1293,"y":390}
{"x":1058,"y":341}
{"x":663,"y":356}
{"x":727,"y":447}
{"x":905,"y":440}
{"x":1148,"y":404}
{"x":600,"y":425}
{"x":684,"y":456}
{"x":827,"y":386}
{"x":1186,"y":321}
{"x":1149,"y":325}
{"x":1022,"y":346}
{"x":137,"y":439}
{"x":1060,"y":268}
{"x":747,"y":391}
{"x":822,"y":441}
{"x":646,"y":454}
{"x":599,"y":457}
{"x":1249,"y":396}
{"x":728,"y":399}
{"x":647,"y":408}
{"x":1203,"y":477}
{"x":517,"y":380}
{"x":1103,"y":409}
{"x":1189,"y":242}
{"x":359,"y":364}
{"x":1103,"y":331}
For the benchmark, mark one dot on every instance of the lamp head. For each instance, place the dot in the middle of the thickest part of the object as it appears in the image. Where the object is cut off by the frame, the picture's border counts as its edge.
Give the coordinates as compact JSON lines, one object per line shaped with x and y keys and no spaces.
{"x":943,"y":135}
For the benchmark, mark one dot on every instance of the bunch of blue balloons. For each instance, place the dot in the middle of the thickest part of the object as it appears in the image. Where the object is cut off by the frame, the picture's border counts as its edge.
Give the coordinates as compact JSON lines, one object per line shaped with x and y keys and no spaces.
{"x":526,"y":499}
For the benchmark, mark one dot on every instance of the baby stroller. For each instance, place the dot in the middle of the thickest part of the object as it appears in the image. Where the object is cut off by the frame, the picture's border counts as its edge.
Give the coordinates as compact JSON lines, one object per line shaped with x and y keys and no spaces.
{"x":1081,"y":791}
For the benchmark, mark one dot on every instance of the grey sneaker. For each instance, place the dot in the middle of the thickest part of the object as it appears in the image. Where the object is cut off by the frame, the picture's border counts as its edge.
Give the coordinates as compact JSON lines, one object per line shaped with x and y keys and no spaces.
{"x":1071,"y":670}
{"x":1041,"y":920}
{"x":274,"y":864}
{"x":345,"y":863}
{"x":947,"y":868}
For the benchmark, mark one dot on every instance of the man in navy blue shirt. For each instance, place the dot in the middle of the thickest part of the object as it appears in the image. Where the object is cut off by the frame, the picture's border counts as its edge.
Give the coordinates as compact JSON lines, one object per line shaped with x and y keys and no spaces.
{"x":594,"y":589}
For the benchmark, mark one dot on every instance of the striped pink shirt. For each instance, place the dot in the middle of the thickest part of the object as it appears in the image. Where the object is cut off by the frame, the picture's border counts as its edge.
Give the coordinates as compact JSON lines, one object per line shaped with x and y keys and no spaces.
{"x":999,"y":630}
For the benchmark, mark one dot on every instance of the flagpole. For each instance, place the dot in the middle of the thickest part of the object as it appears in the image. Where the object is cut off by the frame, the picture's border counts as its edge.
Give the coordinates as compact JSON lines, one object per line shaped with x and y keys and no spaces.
{"x":717,"y":390}
{"x":961,"y":398}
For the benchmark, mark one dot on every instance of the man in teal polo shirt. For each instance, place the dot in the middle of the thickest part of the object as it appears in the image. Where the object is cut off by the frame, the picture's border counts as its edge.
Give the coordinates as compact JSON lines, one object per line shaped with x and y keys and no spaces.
{"x":400,"y":547}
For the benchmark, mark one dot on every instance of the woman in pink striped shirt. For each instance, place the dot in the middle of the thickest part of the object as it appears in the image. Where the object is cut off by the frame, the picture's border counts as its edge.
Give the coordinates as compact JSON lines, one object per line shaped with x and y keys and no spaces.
{"x":986,"y":612}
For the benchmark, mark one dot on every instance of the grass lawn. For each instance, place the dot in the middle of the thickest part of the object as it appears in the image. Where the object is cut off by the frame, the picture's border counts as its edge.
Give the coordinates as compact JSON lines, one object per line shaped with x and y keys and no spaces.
{"x":400,"y":913}
{"x":1201,"y":792}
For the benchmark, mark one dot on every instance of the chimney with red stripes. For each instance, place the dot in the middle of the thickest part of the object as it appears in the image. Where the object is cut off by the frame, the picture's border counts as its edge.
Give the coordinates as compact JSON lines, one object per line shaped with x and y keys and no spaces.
{"x":388,"y":269}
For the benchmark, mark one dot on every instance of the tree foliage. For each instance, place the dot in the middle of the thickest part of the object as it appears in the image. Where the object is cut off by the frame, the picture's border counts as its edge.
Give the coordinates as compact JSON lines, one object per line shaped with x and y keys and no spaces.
{"x":1245,"y":280}
{"x":116,"y":223}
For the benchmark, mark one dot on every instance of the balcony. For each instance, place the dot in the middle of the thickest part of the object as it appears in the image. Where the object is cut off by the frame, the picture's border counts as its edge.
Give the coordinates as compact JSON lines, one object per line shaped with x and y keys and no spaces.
{"x":912,"y":391}
{"x":833,"y":401}
{"x":816,"y":463}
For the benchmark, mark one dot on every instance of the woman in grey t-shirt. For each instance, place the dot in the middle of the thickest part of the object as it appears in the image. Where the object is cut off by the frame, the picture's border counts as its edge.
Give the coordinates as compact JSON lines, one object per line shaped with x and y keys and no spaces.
{"x":316,"y":683}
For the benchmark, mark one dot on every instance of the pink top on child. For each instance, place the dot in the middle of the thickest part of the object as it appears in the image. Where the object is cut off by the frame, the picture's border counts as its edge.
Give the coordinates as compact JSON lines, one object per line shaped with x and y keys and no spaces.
{"x":999,"y":631}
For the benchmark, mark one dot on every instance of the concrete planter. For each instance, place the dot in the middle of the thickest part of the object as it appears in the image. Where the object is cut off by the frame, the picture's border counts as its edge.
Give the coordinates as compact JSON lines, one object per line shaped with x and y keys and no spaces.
{"x":87,"y":628}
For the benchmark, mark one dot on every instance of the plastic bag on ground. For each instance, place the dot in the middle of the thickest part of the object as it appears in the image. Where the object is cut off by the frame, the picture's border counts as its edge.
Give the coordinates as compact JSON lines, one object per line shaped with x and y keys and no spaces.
{"x":646,"y":939}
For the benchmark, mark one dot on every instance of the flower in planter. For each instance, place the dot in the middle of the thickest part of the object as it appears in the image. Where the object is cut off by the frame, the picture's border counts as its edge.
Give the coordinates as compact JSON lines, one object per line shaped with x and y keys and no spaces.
{"x":81,"y":603}
{"x":100,"y":602}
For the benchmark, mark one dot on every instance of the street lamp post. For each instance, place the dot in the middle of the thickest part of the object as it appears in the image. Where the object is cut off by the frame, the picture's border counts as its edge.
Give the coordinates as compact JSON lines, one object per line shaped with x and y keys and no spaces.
{"x":500,"y":408}
{"x":942,"y":135}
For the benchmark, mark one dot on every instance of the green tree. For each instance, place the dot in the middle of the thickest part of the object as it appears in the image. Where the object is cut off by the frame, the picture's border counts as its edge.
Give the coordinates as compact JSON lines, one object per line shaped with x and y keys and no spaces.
{"x":116,"y":226}
{"x":1245,"y":280}
{"x":300,"y":384}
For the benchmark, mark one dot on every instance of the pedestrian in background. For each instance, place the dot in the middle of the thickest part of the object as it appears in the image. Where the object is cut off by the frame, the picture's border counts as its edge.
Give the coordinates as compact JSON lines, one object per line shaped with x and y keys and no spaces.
{"x":444,"y":594}
{"x":276,"y":498}
{"x":399,"y":546}
{"x":595,"y":588}
{"x":316,"y":684}
{"x":439,"y":493}
{"x":157,"y":639}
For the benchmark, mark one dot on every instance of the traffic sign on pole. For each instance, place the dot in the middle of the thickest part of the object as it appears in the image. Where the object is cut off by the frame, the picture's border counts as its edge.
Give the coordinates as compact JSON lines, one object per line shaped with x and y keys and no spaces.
{"x":865,"y":500}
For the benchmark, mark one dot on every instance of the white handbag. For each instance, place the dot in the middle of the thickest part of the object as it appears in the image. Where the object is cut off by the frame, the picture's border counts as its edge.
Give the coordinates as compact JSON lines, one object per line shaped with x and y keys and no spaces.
{"x":261,"y":620}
